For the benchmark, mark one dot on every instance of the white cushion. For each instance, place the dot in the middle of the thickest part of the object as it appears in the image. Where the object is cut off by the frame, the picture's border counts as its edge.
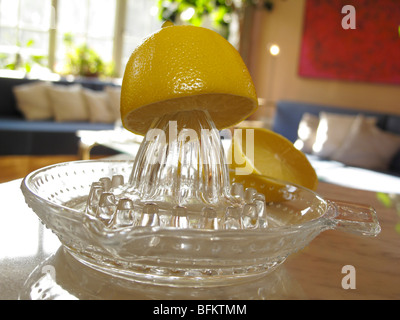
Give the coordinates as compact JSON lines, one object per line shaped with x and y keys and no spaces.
{"x":68,"y":103}
{"x":332,"y":131}
{"x":32,"y":100}
{"x":307,"y":132}
{"x":367,"y":146}
{"x":114,"y":96}
{"x":99,"y":106}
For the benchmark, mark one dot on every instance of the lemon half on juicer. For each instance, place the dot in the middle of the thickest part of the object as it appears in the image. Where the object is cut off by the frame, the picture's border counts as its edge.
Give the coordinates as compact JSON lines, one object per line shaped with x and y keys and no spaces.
{"x":183,"y":68}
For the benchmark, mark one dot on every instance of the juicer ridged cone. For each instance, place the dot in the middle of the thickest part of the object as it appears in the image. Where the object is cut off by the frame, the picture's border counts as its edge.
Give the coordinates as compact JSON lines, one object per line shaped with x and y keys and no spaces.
{"x":179,"y":179}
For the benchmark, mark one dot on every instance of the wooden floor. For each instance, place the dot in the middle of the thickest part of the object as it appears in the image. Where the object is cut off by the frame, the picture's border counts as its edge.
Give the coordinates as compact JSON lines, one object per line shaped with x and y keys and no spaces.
{"x":15,"y":167}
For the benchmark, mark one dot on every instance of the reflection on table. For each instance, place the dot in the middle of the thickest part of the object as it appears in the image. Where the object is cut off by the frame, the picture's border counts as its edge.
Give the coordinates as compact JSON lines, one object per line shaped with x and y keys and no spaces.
{"x":62,"y":277}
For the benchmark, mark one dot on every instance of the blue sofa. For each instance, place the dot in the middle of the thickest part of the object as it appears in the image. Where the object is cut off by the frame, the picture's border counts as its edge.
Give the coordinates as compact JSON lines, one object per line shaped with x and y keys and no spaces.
{"x":289,"y":114}
{"x":21,"y":137}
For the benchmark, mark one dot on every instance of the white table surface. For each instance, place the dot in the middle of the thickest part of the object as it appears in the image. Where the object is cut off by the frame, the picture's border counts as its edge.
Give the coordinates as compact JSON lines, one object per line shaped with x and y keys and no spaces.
{"x":24,"y":241}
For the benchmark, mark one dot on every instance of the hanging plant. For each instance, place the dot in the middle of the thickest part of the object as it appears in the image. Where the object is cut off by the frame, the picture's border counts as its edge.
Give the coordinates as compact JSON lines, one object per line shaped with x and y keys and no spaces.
{"x":194,"y":11}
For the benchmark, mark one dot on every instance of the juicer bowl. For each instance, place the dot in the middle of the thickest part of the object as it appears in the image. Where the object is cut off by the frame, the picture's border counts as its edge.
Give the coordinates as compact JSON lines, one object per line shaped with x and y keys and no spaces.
{"x":184,"y":256}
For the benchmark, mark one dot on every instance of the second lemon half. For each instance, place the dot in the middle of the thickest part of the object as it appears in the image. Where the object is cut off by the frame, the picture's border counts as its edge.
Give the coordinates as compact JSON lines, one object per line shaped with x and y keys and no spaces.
{"x":258,"y":151}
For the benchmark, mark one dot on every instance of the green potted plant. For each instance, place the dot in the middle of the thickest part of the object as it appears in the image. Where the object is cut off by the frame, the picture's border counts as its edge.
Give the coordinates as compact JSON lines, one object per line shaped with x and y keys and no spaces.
{"x":81,"y":60}
{"x":21,"y":61}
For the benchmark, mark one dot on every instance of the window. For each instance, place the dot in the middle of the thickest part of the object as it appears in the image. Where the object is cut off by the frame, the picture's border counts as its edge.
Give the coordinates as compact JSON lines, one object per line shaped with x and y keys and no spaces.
{"x":138,"y":26}
{"x":32,"y":31}
{"x":24,"y":32}
{"x":88,"y":22}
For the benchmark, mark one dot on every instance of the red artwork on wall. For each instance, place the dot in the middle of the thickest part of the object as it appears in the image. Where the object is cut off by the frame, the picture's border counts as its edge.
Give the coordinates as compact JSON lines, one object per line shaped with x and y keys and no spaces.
{"x":369,"y":53}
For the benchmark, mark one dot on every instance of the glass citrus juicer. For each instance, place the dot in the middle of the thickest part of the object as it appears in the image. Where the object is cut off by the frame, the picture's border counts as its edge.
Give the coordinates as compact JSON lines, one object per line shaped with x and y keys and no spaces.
{"x":177,"y":214}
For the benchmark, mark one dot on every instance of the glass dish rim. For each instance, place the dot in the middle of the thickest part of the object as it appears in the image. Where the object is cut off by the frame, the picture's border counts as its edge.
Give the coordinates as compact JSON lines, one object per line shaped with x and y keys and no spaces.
{"x":321,"y":220}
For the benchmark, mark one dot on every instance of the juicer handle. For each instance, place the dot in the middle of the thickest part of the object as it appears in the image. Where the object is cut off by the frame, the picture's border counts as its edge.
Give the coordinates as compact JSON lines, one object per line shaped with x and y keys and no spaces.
{"x":354,"y":218}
